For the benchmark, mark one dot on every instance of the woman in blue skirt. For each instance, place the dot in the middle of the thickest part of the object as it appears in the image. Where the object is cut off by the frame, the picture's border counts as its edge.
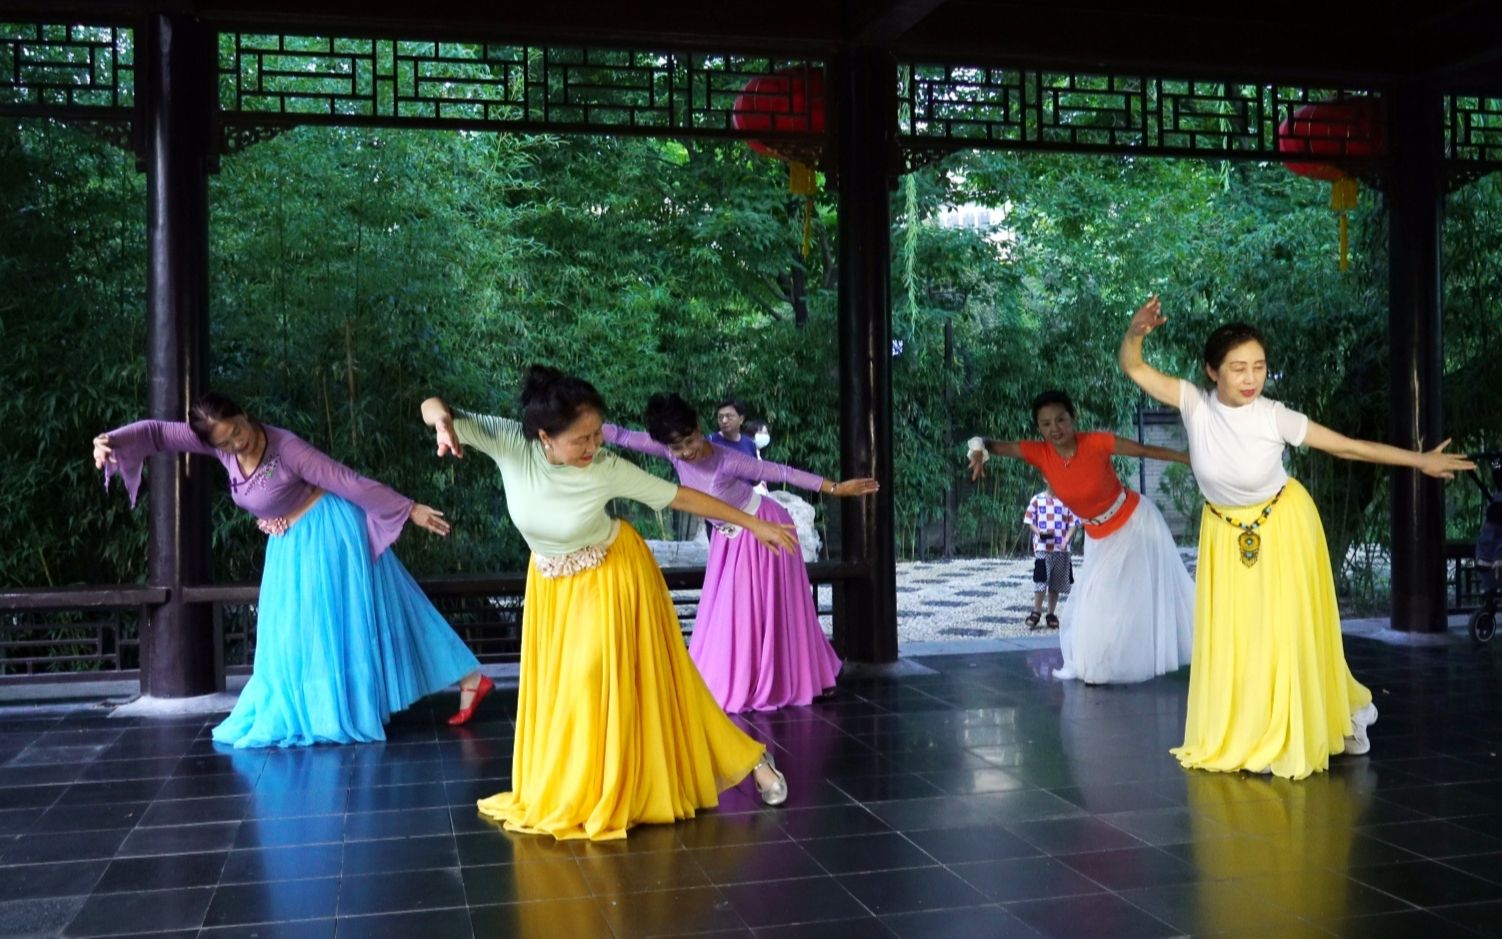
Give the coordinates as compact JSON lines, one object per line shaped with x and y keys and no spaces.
{"x":344,"y":636}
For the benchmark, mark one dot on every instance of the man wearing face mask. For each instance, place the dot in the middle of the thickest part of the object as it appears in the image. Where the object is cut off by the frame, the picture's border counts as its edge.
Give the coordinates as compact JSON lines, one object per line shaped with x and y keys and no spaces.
{"x":801,"y":512}
{"x":757,"y":431}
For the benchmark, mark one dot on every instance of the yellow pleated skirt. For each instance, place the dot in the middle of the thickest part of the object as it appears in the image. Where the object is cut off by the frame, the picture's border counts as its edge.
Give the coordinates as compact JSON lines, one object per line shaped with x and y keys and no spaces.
{"x":1269,"y":688}
{"x":614,"y":726}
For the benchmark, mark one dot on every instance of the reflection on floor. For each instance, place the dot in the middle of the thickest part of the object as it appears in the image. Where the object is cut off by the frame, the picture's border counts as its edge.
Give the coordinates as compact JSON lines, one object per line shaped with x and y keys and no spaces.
{"x":985,"y":800}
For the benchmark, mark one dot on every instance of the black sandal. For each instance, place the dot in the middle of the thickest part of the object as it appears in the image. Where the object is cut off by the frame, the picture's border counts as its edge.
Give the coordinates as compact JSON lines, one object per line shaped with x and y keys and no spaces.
{"x":1053,"y":621}
{"x":1032,"y":619}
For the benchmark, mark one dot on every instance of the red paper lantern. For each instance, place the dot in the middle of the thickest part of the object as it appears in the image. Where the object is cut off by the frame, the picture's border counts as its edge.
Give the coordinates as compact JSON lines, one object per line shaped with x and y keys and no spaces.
{"x":1345,"y":127}
{"x":790,"y":101}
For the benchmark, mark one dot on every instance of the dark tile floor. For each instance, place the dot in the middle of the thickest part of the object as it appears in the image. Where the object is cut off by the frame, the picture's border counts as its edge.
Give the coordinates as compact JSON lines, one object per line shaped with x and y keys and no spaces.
{"x":984,"y":800}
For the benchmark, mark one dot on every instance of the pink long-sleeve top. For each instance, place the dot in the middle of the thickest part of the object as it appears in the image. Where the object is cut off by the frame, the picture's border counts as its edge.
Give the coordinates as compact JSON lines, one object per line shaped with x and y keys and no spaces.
{"x":725,"y":474}
{"x":291,"y":469}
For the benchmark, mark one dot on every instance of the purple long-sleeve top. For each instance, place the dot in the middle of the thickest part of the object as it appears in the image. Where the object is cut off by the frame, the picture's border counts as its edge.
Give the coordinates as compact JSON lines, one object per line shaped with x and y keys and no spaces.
{"x":291,"y":469}
{"x":725,"y":474}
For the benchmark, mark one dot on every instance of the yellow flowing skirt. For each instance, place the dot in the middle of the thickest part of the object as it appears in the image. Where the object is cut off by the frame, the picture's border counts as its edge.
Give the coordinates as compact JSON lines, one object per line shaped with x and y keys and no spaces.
{"x":1269,"y":689}
{"x":614,"y":726}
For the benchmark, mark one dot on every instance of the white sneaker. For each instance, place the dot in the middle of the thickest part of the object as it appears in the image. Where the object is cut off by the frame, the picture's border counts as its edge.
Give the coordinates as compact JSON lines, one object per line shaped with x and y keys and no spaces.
{"x":1358,"y":743}
{"x":1064,"y":674}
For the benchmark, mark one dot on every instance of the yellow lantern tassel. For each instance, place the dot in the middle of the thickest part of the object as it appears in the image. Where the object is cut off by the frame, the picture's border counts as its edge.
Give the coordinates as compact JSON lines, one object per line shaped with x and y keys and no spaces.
{"x":1343,"y":194}
{"x":801,"y":183}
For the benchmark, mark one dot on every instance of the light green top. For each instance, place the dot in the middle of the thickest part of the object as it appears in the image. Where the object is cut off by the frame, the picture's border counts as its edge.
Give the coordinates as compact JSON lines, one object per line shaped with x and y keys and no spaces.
{"x":557,"y":509}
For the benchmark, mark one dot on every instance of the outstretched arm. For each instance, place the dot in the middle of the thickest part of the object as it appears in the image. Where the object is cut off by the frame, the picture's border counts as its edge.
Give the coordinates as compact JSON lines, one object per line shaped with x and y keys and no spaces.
{"x":437,"y":415}
{"x":1125,"y":446}
{"x":457,"y":430}
{"x":1431,"y":462}
{"x":981,"y":449}
{"x":758,"y":470}
{"x":124,"y":450}
{"x":1160,"y":387}
{"x":637,"y":440}
{"x":776,"y":537}
{"x":386,"y":510}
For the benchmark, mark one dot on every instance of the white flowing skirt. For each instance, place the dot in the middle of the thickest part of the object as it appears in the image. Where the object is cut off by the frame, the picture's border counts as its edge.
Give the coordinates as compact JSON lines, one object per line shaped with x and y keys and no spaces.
{"x":1131,"y":614}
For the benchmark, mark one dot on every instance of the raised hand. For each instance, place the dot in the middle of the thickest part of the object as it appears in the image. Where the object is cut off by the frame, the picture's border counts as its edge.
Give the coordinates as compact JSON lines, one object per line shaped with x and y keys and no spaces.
{"x":1445,"y":465}
{"x":424,"y":516}
{"x":1148,"y":317}
{"x":102,"y":452}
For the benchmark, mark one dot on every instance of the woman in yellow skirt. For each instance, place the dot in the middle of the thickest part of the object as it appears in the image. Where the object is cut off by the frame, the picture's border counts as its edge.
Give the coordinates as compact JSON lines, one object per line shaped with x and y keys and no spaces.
{"x":614,"y":726}
{"x":1270,"y":691}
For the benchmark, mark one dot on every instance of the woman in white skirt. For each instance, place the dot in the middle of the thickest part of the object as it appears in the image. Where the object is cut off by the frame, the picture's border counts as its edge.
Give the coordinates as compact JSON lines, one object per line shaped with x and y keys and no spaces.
{"x":1131,"y":613}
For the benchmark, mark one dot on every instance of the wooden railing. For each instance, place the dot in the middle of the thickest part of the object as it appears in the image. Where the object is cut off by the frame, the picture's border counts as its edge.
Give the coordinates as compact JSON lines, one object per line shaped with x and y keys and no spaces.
{"x":80,"y":634}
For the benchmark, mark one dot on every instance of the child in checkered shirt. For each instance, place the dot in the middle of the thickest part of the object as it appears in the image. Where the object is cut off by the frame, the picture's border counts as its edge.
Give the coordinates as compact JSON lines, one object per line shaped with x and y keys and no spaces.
{"x":1052,"y":525}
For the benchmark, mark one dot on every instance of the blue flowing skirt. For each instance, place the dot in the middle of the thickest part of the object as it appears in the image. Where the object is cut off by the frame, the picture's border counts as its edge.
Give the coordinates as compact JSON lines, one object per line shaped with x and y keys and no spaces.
{"x":341,"y":641}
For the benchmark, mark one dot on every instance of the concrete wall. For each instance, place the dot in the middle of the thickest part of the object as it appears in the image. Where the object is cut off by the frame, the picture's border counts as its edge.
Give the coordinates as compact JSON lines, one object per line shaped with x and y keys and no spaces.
{"x":1161,"y":427}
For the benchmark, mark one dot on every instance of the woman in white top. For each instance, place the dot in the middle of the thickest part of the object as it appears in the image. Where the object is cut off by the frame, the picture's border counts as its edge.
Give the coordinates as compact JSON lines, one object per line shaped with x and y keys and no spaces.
{"x":1270,"y":690}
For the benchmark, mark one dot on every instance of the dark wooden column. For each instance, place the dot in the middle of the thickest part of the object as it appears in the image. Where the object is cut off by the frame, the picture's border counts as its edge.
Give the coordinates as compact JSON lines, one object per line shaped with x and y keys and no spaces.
{"x":864,"y":108}
{"x":177,"y":88}
{"x":1415,"y":196}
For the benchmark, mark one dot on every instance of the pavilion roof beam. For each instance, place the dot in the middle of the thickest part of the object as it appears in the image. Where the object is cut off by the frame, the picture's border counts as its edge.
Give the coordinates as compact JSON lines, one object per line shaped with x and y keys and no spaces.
{"x":892,"y":21}
{"x":779,"y":25}
{"x":1192,"y":40}
{"x":1461,"y":50}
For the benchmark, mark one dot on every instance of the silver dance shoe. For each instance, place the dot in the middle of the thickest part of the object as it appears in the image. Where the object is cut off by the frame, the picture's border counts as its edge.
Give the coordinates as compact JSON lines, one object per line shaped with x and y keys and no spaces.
{"x":777,"y":792}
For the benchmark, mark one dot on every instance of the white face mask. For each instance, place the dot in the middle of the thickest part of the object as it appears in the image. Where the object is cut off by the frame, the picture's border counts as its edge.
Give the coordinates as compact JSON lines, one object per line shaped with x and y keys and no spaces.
{"x":762,"y":439}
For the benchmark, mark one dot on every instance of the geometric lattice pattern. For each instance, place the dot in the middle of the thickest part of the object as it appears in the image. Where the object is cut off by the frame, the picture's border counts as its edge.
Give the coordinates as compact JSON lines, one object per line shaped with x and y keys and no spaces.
{"x":956,"y":106}
{"x":87,"y":73}
{"x":1473,"y":130}
{"x":489,"y":623}
{"x":311,"y":79}
{"x":65,"y":70}
{"x":36,"y":642}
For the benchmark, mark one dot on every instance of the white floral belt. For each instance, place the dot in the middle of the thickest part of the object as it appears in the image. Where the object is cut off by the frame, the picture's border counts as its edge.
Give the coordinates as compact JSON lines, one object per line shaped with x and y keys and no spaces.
{"x":566,"y":565}
{"x":750,"y":508}
{"x":1109,"y":513}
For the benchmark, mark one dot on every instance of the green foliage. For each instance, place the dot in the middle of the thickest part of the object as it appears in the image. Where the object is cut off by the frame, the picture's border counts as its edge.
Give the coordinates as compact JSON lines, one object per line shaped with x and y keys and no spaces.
{"x":355,"y":272}
{"x":1086,"y":239}
{"x":1473,"y":341}
{"x":72,"y":287}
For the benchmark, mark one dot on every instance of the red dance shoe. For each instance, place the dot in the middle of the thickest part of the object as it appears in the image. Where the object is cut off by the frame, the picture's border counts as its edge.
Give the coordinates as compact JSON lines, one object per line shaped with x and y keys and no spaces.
{"x":481,"y":690}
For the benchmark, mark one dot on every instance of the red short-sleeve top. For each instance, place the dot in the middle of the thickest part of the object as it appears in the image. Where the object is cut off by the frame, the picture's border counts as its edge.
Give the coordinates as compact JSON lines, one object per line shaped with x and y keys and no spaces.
{"x":1086,"y":482}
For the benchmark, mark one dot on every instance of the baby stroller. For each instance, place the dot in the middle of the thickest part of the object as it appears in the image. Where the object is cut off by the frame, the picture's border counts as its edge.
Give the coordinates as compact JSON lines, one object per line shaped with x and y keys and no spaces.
{"x":1488,"y":547}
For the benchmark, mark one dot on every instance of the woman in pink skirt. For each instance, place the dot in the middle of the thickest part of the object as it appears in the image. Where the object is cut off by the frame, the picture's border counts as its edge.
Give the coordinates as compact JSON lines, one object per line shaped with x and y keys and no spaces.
{"x":756,"y":638}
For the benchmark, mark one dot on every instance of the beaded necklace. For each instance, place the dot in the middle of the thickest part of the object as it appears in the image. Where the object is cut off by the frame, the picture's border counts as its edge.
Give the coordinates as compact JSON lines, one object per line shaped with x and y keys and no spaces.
{"x":1249,"y":542}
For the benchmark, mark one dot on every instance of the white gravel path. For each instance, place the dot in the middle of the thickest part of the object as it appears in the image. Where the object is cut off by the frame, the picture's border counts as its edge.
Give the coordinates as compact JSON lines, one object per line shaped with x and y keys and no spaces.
{"x":937,"y":601}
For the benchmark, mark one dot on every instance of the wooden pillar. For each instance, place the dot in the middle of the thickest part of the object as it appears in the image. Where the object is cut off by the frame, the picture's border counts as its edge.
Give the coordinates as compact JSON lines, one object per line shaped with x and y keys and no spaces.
{"x":175,"y":108}
{"x":863,"y":84}
{"x":1415,"y":196}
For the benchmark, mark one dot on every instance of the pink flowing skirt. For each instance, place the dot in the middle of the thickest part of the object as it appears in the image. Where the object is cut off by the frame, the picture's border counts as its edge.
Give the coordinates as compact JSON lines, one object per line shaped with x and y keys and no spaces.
{"x":756,"y":638}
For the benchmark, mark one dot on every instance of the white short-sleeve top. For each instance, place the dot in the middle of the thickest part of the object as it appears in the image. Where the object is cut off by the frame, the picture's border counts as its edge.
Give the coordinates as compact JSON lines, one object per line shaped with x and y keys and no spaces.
{"x":1237,"y":453}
